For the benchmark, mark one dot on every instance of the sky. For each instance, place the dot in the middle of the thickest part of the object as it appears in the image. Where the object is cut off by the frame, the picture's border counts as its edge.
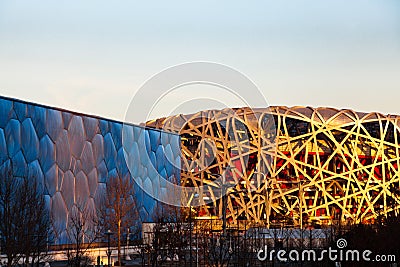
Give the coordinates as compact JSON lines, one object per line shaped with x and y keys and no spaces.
{"x":92,"y":56}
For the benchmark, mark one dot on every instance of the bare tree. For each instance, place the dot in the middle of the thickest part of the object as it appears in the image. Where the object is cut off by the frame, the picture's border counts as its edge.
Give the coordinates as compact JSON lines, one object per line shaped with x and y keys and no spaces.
{"x":35,"y":222}
{"x":171,"y":235}
{"x":24,"y":219}
{"x":83,"y":231}
{"x":118,"y":209}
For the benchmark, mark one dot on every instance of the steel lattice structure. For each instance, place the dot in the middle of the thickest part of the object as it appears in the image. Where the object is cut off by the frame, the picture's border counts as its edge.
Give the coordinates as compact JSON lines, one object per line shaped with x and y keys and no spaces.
{"x":325,"y":163}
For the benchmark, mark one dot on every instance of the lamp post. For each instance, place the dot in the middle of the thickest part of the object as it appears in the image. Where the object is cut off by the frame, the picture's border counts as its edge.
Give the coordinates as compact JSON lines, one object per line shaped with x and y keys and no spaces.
{"x":109,"y":234}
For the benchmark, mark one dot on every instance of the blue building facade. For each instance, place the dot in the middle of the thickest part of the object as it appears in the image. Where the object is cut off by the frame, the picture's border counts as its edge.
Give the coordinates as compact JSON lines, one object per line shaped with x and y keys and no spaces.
{"x":73,"y":155}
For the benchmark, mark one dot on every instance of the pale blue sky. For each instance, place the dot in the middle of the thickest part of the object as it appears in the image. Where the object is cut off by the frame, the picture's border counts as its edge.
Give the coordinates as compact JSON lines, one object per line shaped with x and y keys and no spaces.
{"x":91,"y":56}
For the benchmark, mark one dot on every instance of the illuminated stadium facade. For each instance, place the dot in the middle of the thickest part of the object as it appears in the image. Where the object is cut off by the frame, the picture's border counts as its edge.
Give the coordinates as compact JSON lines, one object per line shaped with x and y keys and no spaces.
{"x":319,"y":165}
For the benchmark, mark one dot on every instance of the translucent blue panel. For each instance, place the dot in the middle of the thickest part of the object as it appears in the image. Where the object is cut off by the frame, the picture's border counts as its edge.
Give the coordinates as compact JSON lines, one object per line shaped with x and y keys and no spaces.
{"x":81,"y":189}
{"x":90,"y":206}
{"x":134,"y":158}
{"x":92,"y":182}
{"x":127,"y":137}
{"x":13,"y":137}
{"x":38,"y":115}
{"x":60,"y":179}
{"x":5,"y":111}
{"x":154,"y":139}
{"x":165,"y":139}
{"x":110,"y":153}
{"x":91,"y":127}
{"x":3,"y":147}
{"x":175,"y":143}
{"x":103,"y":125}
{"x":113,"y":173}
{"x":87,"y":158}
{"x":66,"y":119}
{"x":164,"y":175}
{"x":59,"y":217}
{"x":76,"y":135}
{"x":143,"y":214}
{"x":63,"y":153}
{"x":51,"y":180}
{"x":47,"y":153}
{"x":29,"y":140}
{"x":116,"y":132}
{"x":160,"y":159}
{"x":153,"y":159}
{"x":54,"y":123}
{"x":47,"y":201}
{"x":5,"y":167}
{"x":20,"y":110}
{"x":76,"y":166}
{"x":102,"y":172}
{"x":35,"y":173}
{"x":121,"y":164}
{"x":147,"y":142}
{"x":170,"y":160}
{"x":148,"y":201}
{"x":98,"y":148}
{"x":68,"y":189}
{"x":19,"y":164}
{"x":100,"y":193}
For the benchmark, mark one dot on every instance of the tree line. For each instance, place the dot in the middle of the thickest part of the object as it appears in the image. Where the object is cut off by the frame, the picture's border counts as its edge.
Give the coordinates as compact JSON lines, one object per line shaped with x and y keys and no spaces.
{"x":27,"y":230}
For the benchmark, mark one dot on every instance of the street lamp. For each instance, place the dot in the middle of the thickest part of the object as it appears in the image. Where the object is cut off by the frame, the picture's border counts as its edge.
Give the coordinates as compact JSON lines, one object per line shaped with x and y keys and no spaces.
{"x":109,"y":234}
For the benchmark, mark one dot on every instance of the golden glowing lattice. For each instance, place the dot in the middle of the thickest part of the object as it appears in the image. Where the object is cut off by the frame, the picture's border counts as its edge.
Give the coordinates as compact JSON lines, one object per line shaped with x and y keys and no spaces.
{"x":330,"y":164}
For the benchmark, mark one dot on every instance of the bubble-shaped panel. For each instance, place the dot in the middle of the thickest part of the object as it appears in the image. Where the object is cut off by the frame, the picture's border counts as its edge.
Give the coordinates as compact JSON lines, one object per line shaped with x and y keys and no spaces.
{"x":98,"y":148}
{"x":92,"y":182}
{"x":102,"y":172}
{"x":81,"y":189}
{"x":87,"y":158}
{"x":103,"y":125}
{"x":68,"y":189}
{"x":47,"y":153}
{"x":51,"y":180}
{"x":116,"y":132}
{"x":121,"y":164}
{"x":91,"y":127}
{"x":20,"y":110}
{"x":29,"y":140}
{"x":35,"y":173}
{"x":19,"y":165}
{"x":76,"y":135}
{"x":154,"y":140}
{"x":63,"y":153}
{"x":38,"y":115}
{"x":3,"y":147}
{"x":13,"y":137}
{"x":60,"y":216}
{"x":67,"y":116}
{"x":54,"y":123}
{"x":110,"y":153}
{"x":6,"y":107}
